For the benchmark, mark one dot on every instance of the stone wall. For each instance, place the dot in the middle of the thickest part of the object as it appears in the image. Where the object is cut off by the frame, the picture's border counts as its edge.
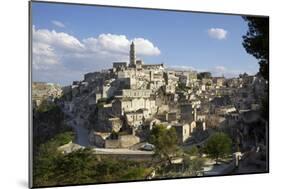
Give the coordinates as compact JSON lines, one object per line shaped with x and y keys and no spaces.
{"x":123,"y":141}
{"x":135,"y":93}
{"x":128,"y":140}
{"x":111,"y":143}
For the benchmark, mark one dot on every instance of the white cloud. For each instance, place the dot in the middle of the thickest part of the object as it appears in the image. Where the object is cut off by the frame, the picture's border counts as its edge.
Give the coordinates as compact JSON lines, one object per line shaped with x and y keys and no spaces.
{"x":50,"y":46}
{"x":120,"y":44}
{"x":181,"y":67}
{"x":61,"y":52}
{"x":217,"y":33}
{"x":58,"y":40}
{"x":220,"y":69}
{"x":145,"y":47}
{"x":228,"y":72}
{"x":216,"y":71}
{"x":43,"y":55}
{"x":58,"y":23}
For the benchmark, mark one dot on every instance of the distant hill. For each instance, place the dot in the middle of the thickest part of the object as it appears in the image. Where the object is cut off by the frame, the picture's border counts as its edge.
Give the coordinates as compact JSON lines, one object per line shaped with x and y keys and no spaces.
{"x":45,"y":91}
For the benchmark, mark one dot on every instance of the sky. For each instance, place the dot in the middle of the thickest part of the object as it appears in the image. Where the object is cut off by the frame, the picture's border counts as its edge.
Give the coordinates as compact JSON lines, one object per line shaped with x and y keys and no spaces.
{"x":69,"y":41}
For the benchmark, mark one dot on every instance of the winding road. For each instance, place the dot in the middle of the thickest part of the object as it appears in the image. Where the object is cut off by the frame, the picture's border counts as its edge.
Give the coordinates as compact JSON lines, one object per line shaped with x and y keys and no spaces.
{"x":82,"y":134}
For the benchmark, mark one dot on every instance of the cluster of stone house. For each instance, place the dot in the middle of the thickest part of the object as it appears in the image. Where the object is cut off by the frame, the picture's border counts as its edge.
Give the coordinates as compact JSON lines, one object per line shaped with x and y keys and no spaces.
{"x":130,"y":96}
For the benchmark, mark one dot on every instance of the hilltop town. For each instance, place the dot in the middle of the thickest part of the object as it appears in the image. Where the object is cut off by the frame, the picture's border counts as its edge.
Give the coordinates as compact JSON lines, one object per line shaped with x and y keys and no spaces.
{"x":117,"y":108}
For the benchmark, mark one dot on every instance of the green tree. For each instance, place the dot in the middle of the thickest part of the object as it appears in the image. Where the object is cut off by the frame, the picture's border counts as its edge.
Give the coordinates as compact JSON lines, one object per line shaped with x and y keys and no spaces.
{"x":75,"y":168}
{"x":44,"y":160}
{"x":165,"y":142}
{"x":182,"y":88}
{"x":47,"y":124}
{"x":193,"y":151}
{"x":45,"y":106}
{"x":218,"y":146}
{"x":51,"y":167}
{"x":256,"y":42}
{"x":137,"y":173}
{"x":193,"y":166}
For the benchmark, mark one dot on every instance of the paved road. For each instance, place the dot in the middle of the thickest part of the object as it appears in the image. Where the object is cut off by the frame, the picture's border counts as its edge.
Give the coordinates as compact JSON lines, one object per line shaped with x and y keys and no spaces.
{"x":211,"y":169}
{"x":121,"y":151}
{"x":82,"y":134}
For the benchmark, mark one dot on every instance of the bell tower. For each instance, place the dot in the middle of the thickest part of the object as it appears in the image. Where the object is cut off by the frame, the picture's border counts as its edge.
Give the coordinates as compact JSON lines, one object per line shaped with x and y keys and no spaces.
{"x":132,"y":55}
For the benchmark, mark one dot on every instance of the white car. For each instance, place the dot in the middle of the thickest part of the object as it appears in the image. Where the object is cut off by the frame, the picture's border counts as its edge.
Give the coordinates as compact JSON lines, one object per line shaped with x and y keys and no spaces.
{"x":147,"y":147}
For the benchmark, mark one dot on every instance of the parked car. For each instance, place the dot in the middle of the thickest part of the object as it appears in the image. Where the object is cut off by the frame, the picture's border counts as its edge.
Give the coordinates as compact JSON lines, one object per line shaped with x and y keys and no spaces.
{"x":147,"y":147}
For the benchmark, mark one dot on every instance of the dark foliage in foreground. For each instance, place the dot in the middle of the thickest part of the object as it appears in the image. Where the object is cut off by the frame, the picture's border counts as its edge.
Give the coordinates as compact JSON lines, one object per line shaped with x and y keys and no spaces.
{"x":82,"y":167}
{"x":256,"y":42}
{"x":48,"y":121}
{"x":165,"y":142}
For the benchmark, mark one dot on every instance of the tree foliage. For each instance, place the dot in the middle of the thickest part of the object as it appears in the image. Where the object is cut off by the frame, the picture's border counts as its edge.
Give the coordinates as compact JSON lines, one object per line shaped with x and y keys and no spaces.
{"x":45,"y":106}
{"x":256,"y":42}
{"x":52,"y":168}
{"x":218,"y":146}
{"x":165,"y":142}
{"x":45,"y":156}
{"x":47,"y":124}
{"x":193,"y":166}
{"x":193,"y":151}
{"x":84,"y":167}
{"x":204,"y":75}
{"x":182,"y":88}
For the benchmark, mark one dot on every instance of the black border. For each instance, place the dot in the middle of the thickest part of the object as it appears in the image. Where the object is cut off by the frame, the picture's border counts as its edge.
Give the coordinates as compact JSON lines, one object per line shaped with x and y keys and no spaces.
{"x":30,"y":122}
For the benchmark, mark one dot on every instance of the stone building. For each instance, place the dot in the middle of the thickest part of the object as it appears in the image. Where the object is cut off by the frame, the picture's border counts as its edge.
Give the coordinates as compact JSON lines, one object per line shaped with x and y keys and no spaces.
{"x":98,"y":138}
{"x":171,"y":116}
{"x":93,"y":98}
{"x":115,"y":124}
{"x":117,"y":66}
{"x":183,"y":132}
{"x":218,"y":81}
{"x":137,"y":118}
{"x":171,"y":82}
{"x":186,"y":112}
{"x":120,"y":106}
{"x":187,"y":78}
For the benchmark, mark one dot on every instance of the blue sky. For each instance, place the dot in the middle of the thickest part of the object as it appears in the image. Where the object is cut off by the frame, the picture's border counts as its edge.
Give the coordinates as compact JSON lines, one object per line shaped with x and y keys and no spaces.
{"x":71,"y":40}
